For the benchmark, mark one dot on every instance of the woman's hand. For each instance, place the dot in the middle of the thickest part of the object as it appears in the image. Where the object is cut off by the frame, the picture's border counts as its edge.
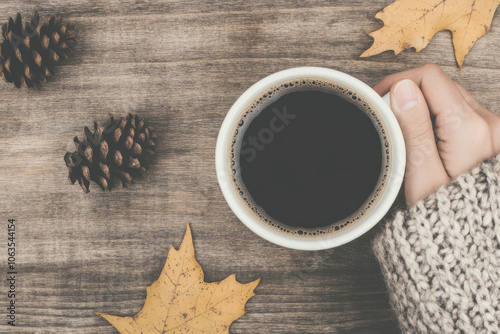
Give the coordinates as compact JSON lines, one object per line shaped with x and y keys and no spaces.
{"x":468,"y":133}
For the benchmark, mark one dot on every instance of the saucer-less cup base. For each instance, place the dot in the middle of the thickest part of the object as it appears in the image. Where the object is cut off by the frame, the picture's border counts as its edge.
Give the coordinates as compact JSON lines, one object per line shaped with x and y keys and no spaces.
{"x":387,"y":197}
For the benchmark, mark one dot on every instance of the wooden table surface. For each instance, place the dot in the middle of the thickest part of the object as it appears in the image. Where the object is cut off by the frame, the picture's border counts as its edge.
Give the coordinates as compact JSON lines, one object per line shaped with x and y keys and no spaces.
{"x":182,"y":64}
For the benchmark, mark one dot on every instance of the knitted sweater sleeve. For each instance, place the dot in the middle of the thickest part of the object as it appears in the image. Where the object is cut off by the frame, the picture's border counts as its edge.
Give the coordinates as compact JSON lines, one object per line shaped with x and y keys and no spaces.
{"x":441,"y":258}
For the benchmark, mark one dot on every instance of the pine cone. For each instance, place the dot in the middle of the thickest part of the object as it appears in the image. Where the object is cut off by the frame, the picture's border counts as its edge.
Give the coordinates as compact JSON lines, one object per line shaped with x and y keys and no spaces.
{"x":30,"y":51}
{"x":119,"y":151}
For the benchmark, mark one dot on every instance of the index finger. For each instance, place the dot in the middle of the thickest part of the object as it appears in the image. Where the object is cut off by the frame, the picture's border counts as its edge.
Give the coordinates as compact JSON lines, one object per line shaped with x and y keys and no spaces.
{"x":415,"y":74}
{"x":384,"y":86}
{"x":440,"y":92}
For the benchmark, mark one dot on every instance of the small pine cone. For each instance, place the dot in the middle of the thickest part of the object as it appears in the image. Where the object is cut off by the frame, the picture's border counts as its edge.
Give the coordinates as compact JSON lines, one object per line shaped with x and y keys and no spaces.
{"x":30,"y":50}
{"x":118,"y":152}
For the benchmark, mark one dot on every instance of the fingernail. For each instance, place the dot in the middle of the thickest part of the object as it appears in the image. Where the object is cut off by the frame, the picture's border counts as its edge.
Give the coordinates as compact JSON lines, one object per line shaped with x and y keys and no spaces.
{"x":405,"y":95}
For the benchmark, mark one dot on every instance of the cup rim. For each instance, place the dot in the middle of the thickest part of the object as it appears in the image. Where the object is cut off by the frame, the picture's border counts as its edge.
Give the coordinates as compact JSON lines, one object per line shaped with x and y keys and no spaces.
{"x":389,"y":194}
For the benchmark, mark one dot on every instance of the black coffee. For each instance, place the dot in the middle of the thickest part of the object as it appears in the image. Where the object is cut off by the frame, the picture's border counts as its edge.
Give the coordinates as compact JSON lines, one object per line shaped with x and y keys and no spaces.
{"x":309,"y":157}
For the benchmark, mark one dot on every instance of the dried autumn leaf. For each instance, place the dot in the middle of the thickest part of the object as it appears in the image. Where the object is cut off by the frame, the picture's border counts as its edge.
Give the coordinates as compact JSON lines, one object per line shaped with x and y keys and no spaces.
{"x":181,"y":302}
{"x":410,"y":23}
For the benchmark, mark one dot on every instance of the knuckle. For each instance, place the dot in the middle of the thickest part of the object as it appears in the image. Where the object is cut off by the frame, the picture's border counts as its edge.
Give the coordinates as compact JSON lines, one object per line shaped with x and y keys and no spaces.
{"x":458,"y":110}
{"x":432,"y":69}
{"x":481,"y":136}
{"x":481,"y":125}
{"x":482,"y":130}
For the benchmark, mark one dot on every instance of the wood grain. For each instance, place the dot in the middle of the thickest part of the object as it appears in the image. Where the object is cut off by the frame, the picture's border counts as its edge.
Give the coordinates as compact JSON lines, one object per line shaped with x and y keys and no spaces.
{"x":182,"y":64}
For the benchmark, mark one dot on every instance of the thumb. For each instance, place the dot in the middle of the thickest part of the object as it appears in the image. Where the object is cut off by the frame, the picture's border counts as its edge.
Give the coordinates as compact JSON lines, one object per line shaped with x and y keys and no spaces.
{"x":425,"y":172}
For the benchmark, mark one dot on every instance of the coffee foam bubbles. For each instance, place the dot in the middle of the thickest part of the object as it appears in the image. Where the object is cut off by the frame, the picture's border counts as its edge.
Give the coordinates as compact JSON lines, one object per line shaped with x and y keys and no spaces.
{"x":268,"y":97}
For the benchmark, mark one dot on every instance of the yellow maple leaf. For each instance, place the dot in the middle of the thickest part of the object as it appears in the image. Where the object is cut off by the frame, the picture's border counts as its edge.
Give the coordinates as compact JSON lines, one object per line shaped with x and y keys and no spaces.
{"x":181,"y":302}
{"x":411,"y":23}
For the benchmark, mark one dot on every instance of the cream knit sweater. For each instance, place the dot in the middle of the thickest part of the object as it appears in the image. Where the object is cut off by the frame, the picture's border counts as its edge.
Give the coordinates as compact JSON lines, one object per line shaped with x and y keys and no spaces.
{"x":441,"y":257}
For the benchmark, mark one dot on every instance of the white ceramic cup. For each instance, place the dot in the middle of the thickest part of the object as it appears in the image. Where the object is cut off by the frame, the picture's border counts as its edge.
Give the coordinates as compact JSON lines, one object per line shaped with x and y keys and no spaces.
{"x":387,"y":197}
